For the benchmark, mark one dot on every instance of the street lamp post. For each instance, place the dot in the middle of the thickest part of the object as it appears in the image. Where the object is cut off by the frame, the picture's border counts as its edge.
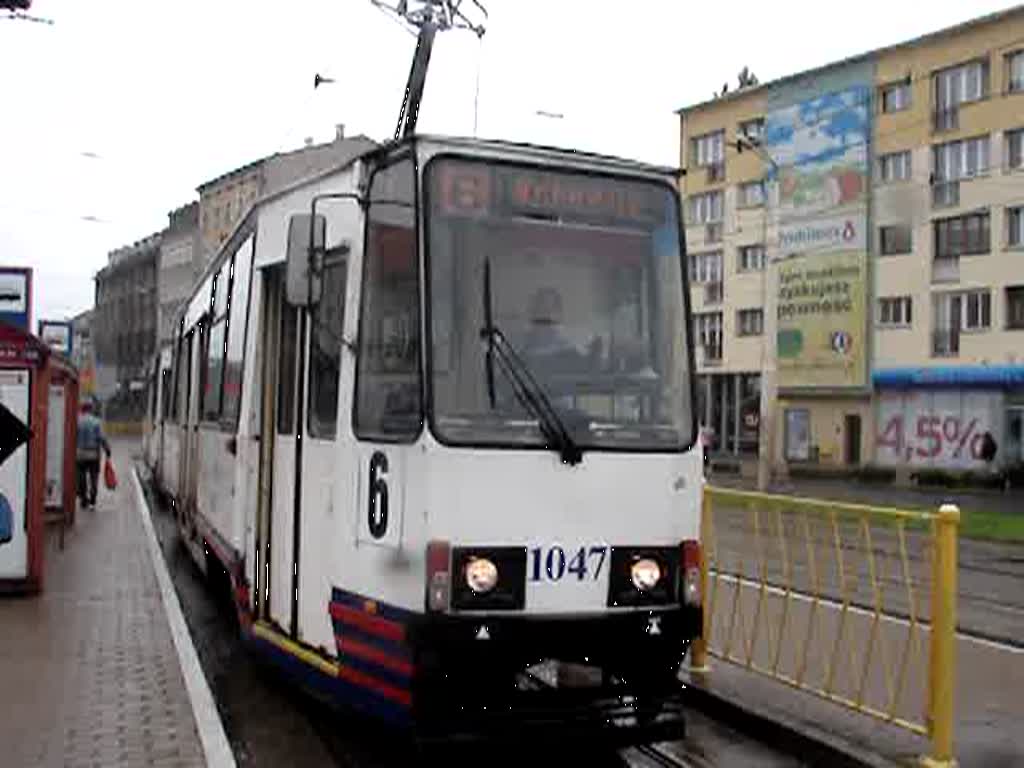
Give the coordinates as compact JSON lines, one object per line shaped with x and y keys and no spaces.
{"x":766,"y":430}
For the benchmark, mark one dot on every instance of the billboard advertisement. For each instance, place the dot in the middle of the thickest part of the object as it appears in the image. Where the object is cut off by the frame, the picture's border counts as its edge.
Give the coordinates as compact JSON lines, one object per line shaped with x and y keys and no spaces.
{"x":942,"y":429}
{"x":818,"y":133}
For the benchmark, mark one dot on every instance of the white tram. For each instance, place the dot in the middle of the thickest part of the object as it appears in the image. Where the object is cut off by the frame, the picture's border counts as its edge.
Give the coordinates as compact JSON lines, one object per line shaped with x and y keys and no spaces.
{"x":433,"y":413}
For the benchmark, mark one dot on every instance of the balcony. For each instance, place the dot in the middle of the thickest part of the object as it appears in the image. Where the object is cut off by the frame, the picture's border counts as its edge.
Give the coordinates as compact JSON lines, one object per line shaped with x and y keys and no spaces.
{"x":946,"y":342}
{"x":946,"y":119}
{"x":714,"y":293}
{"x":945,"y":194}
{"x":713,"y":232}
{"x":946,"y":270}
{"x":715,"y":173}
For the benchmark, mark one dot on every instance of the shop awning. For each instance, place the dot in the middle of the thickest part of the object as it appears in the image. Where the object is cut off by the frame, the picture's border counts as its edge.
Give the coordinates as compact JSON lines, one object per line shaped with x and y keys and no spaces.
{"x":949,"y":376}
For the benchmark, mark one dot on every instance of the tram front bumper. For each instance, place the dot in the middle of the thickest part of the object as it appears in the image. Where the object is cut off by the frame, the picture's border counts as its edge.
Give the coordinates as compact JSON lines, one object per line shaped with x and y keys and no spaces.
{"x":472,"y":670}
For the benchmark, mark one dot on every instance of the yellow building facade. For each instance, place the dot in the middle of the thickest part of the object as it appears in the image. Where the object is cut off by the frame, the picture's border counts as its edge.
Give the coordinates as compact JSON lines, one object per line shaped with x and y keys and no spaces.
{"x":896,"y":180}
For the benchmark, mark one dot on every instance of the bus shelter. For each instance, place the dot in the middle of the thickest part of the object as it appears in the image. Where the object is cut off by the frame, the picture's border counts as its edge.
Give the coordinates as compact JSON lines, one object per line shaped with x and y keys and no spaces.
{"x":28,"y":369}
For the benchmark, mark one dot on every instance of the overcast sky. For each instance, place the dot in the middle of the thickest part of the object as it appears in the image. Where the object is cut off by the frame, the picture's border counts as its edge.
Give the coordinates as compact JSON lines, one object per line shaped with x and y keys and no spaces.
{"x":121,"y":108}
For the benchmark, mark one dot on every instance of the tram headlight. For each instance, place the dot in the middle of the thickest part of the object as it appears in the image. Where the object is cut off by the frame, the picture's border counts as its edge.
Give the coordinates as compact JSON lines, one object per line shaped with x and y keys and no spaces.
{"x":646,"y":573}
{"x":481,"y":575}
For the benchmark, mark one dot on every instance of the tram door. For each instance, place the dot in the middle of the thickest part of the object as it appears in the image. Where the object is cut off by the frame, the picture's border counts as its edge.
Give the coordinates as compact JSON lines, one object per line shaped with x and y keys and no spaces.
{"x":184,"y":419}
{"x":276,"y":511}
{"x":190,"y":434}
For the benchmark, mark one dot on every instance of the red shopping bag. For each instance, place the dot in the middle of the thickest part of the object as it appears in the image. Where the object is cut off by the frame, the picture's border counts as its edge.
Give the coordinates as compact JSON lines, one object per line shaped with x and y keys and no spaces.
{"x":109,"y":475}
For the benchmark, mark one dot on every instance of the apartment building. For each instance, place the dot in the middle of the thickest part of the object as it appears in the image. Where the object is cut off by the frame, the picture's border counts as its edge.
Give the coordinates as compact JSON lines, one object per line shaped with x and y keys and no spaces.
{"x":124,"y":327}
{"x":223,"y":201}
{"x":855,"y":234}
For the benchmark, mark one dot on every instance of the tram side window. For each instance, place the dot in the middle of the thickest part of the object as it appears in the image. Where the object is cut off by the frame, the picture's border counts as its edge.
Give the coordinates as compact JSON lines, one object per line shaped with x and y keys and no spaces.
{"x":325,"y":352}
{"x":213,"y":361}
{"x":388,"y":390}
{"x":238,"y":309}
{"x":286,"y":371}
{"x":183,"y":389}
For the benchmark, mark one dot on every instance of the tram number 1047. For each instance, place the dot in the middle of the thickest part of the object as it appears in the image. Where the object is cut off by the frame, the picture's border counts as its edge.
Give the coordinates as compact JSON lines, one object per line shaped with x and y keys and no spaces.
{"x":554,"y":563}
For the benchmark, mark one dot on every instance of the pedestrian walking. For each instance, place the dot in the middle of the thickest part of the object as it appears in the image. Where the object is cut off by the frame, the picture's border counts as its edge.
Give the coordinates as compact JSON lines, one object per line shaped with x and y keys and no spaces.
{"x":91,"y":441}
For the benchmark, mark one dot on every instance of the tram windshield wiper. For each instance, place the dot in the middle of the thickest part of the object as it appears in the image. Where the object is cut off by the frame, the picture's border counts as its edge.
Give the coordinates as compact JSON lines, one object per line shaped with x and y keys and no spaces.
{"x":528,"y":392}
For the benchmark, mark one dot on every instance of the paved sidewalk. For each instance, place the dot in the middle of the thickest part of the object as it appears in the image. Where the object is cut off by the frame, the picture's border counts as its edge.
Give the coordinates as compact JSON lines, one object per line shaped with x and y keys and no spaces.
{"x":89,"y":675}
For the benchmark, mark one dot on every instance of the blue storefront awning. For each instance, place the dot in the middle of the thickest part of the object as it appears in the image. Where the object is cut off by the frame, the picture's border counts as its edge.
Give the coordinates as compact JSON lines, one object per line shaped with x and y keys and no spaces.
{"x":948,"y":376}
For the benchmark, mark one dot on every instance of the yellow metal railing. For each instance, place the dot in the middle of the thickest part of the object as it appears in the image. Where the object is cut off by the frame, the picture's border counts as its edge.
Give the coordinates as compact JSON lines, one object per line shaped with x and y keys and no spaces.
{"x":827,"y":598}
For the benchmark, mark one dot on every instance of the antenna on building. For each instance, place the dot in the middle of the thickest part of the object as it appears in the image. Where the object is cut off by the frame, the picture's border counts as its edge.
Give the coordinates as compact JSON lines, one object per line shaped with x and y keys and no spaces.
{"x":747,"y":78}
{"x":428,"y":17}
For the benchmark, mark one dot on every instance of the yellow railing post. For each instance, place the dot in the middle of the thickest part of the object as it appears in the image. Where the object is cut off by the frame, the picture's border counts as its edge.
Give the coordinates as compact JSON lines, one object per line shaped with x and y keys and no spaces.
{"x":699,"y":648}
{"x":942,"y":656}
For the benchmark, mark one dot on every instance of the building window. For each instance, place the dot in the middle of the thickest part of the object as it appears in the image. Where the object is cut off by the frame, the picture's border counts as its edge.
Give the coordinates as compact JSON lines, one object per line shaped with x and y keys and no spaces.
{"x":977,"y":310}
{"x":1015,"y":222}
{"x":895,"y":311}
{"x":751,"y":258}
{"x":708,"y":332}
{"x":706,"y":267}
{"x":896,"y":97}
{"x":1015,"y":72}
{"x":895,"y":166}
{"x":752,"y":194}
{"x":961,"y":159}
{"x":961,"y":84}
{"x":750,"y":322}
{"x":708,"y":149}
{"x":962,"y":235}
{"x":894,"y":239}
{"x":1015,"y":307}
{"x":752,"y":129}
{"x":706,"y":208}
{"x":1015,"y":149}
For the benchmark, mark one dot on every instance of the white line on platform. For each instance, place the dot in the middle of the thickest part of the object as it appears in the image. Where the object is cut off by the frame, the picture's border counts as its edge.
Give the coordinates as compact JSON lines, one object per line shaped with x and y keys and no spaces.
{"x":208,"y":723}
{"x":833,"y":603}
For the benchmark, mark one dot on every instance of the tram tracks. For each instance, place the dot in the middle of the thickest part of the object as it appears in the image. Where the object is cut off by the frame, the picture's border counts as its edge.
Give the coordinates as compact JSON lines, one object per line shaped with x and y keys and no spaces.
{"x":652,"y":756}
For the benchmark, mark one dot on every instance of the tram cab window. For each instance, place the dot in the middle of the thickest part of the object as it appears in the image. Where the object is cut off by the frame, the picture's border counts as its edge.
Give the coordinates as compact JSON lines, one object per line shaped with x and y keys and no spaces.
{"x":325,"y":352}
{"x":586,"y":285}
{"x":387,"y":405}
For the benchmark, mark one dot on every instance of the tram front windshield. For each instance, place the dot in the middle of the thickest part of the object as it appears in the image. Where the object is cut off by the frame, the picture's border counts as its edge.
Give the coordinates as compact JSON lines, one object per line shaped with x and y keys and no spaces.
{"x":582,"y":277}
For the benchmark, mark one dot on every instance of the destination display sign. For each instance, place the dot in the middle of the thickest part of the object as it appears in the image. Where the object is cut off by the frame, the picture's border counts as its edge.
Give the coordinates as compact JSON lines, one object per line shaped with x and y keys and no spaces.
{"x":478,"y":189}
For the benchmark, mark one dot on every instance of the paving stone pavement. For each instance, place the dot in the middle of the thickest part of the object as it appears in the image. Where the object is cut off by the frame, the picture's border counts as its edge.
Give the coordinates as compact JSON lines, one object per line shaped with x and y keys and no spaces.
{"x":89,"y":675}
